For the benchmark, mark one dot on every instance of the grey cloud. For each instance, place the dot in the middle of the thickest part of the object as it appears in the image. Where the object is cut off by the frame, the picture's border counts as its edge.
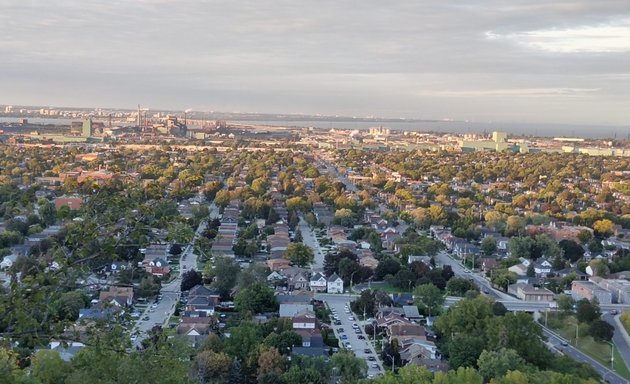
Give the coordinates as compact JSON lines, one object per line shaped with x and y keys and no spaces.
{"x":400,"y":58}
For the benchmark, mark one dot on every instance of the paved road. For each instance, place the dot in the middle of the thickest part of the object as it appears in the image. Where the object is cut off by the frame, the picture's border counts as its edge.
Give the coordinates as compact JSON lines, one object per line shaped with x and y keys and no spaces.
{"x":557,"y":341}
{"x":443,"y":258}
{"x":620,"y":342}
{"x":158,"y":313}
{"x":339,"y":303}
{"x":308,"y":238}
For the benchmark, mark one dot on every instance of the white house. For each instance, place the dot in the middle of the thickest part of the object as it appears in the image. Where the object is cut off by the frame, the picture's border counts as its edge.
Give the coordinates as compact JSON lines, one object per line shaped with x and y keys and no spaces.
{"x":318,"y":282}
{"x":335,"y":284}
{"x":8,"y":262}
{"x":542,"y":267}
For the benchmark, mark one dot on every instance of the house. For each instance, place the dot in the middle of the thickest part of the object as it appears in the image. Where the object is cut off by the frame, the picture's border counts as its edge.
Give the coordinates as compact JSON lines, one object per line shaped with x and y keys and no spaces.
{"x":542,"y":267}
{"x":411,"y":312}
{"x":278,"y":265}
{"x":406,"y":331}
{"x":519,"y":269}
{"x":488,"y":264}
{"x":158,"y":267}
{"x":196,"y":329}
{"x":418,"y":348}
{"x":98,"y":313}
{"x":120,"y":296}
{"x":298,"y":281}
{"x":7,"y":262}
{"x":305,"y":320}
{"x":334,"y":284}
{"x":311,"y":338}
{"x":74,"y":203}
{"x":423,"y":259}
{"x":201,"y":304}
{"x":118,"y":266}
{"x":294,"y":299}
{"x":66,"y":350}
{"x":369,"y":262}
{"x":318,"y":283}
{"x":528,"y":292}
{"x":400,"y":299}
{"x":203,"y":291}
{"x":275,"y":278}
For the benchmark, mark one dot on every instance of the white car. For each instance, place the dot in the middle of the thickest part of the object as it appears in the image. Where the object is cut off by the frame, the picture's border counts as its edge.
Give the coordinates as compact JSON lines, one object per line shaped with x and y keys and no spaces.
{"x":351,"y":318}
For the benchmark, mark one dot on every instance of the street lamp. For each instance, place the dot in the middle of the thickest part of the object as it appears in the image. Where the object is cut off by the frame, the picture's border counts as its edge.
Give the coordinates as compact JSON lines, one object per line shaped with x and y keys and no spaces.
{"x":612,"y":354}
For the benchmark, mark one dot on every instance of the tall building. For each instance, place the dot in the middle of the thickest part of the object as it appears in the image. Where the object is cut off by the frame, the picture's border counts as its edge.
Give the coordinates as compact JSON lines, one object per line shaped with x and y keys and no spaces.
{"x":87,"y":128}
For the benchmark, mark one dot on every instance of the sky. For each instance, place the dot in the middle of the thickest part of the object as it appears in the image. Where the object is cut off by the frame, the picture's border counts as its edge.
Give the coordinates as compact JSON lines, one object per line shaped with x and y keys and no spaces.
{"x":533,"y":61}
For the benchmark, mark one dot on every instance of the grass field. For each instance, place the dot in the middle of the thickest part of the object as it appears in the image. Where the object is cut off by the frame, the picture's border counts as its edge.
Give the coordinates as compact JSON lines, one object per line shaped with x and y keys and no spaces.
{"x":566,"y":327}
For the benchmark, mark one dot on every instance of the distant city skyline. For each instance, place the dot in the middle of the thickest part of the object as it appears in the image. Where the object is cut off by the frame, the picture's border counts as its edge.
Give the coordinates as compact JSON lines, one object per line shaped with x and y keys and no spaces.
{"x":556,"y":62}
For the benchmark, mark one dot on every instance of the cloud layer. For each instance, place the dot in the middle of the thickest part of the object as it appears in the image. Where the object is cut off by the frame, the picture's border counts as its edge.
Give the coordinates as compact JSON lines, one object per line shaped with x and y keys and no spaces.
{"x":529,"y":61}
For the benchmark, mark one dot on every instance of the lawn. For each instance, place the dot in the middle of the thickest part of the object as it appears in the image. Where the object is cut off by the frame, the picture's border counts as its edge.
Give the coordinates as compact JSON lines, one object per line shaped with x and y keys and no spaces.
{"x":386,"y":287}
{"x":566,"y":327}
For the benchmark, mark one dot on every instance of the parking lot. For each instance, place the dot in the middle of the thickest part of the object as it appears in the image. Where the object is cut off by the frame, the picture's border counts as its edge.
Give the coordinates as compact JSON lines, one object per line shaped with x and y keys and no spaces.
{"x":346,"y":326}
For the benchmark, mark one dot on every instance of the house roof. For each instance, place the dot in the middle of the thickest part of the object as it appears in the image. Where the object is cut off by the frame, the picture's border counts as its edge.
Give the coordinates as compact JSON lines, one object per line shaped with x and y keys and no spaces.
{"x":201,"y":290}
{"x":290,"y":310}
{"x":334,"y":277}
{"x":317,"y":276}
{"x":411,"y":311}
{"x":406,"y":330}
{"x":294,"y":299}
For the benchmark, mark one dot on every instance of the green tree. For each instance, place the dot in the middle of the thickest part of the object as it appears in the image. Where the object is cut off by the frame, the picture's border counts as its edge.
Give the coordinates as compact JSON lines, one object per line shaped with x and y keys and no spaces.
{"x":458,"y":286}
{"x":428,"y":297}
{"x":488,"y":246}
{"x":270,"y":361}
{"x":461,"y":376}
{"x":518,"y":331}
{"x":48,"y":367}
{"x":565,"y":303}
{"x":601,"y":330}
{"x":190,"y":279}
{"x":498,"y":363}
{"x":350,"y":367}
{"x":256,"y":298}
{"x":209,"y":366}
{"x":180,"y":233}
{"x":223,"y":272}
{"x":464,"y":350}
{"x":299,"y":254}
{"x":587,"y":311}
{"x":585,"y":236}
{"x":148,"y":287}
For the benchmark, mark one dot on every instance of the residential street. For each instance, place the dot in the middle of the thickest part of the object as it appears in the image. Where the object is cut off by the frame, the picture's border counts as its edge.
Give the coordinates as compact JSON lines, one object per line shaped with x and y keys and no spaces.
{"x":339,"y":303}
{"x":308,"y":238}
{"x":159,"y":313}
{"x":443,"y":258}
